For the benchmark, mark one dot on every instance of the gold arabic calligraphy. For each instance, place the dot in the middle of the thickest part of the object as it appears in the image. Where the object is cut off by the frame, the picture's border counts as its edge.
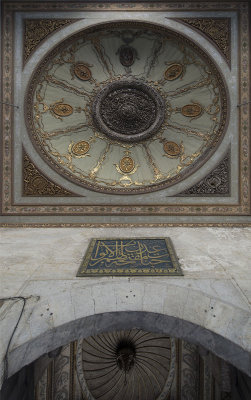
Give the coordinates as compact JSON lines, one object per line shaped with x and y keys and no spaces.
{"x":120,"y":253}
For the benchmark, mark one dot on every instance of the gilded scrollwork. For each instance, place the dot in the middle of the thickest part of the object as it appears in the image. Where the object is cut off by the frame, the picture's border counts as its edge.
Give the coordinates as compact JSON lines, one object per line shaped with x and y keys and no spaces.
{"x":36,"y":184}
{"x":157,"y":173}
{"x":36,"y":30}
{"x":157,"y":107}
{"x":242,"y":206}
{"x":217,"y":29}
{"x":216,"y":183}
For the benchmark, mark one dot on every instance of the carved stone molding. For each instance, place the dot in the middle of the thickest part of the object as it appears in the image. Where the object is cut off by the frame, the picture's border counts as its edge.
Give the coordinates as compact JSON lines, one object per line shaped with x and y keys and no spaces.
{"x":36,"y":30}
{"x":217,"y":29}
{"x":216,"y":183}
{"x":36,"y":184}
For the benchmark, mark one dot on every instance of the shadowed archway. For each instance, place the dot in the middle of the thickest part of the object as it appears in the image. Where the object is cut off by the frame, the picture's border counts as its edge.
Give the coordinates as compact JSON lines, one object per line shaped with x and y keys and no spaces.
{"x":148,"y":321}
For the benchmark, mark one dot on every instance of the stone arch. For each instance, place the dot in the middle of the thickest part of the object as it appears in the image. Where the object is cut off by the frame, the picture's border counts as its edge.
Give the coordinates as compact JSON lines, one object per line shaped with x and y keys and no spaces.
{"x":148,"y":321}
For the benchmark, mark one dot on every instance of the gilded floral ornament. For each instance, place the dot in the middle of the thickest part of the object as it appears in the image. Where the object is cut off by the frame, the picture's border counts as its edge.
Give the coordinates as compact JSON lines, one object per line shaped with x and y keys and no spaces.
{"x":174,"y":71}
{"x":36,"y":184}
{"x":191,"y":110}
{"x":82,"y":71}
{"x":217,"y":29}
{"x":62,"y":110}
{"x":36,"y":30}
{"x":216,"y":183}
{"x":126,"y":164}
{"x":172,"y":149}
{"x":80,"y":148}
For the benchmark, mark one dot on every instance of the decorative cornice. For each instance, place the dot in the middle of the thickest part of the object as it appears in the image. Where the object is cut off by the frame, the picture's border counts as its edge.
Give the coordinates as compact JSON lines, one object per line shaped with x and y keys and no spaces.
{"x":36,"y":30}
{"x":216,"y":183}
{"x":125,"y":225}
{"x":36,"y":184}
{"x":217,"y":29}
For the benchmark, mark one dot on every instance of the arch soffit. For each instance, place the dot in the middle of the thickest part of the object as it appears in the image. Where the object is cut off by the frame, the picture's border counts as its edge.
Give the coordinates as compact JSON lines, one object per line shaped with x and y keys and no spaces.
{"x":122,"y":320}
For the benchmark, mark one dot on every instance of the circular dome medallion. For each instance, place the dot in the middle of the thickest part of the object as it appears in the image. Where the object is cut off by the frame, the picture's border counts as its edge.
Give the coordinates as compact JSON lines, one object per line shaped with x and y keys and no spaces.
{"x":128,"y":110}
{"x":123,"y":132}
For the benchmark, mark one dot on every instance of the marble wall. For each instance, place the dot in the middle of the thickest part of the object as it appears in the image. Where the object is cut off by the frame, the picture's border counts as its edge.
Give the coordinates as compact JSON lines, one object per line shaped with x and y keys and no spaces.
{"x":209,"y":305}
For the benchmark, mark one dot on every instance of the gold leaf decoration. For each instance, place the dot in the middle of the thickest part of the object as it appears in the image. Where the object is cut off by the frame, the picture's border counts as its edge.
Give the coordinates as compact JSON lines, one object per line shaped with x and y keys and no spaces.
{"x":82,"y":72}
{"x":216,"y":183}
{"x":62,"y":110}
{"x":173,"y":72}
{"x":36,"y":30}
{"x":36,"y":184}
{"x":126,"y":164}
{"x":80,"y":148}
{"x":217,"y":29}
{"x":171,"y":148}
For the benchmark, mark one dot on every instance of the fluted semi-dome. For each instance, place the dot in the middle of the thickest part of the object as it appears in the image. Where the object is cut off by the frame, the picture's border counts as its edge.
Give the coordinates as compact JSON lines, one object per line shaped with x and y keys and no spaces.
{"x":133,"y":365}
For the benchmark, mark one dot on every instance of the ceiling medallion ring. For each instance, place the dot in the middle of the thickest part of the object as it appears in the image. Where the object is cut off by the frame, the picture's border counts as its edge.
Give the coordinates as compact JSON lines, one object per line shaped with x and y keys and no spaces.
{"x":128,"y":110}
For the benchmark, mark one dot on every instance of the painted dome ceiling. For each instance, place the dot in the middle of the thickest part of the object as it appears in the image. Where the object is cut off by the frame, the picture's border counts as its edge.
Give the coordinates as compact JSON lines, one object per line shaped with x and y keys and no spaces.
{"x":126,"y":108}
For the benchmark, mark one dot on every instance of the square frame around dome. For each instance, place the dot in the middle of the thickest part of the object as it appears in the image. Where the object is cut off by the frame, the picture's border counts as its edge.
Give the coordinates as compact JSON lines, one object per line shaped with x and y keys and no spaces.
{"x":35,"y":195}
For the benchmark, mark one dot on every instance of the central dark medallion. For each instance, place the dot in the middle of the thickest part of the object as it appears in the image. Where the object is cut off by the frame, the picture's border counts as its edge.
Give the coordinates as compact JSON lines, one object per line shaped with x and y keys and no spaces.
{"x":128,"y":110}
{"x":125,"y":355}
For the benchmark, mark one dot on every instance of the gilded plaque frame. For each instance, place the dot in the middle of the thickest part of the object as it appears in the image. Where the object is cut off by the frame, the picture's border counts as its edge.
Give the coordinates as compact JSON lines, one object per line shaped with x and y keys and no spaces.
{"x":175,"y":270}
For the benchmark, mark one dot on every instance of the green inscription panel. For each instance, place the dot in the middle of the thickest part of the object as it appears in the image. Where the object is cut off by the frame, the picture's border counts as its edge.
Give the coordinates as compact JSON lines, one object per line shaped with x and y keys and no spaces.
{"x":131,"y":256}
